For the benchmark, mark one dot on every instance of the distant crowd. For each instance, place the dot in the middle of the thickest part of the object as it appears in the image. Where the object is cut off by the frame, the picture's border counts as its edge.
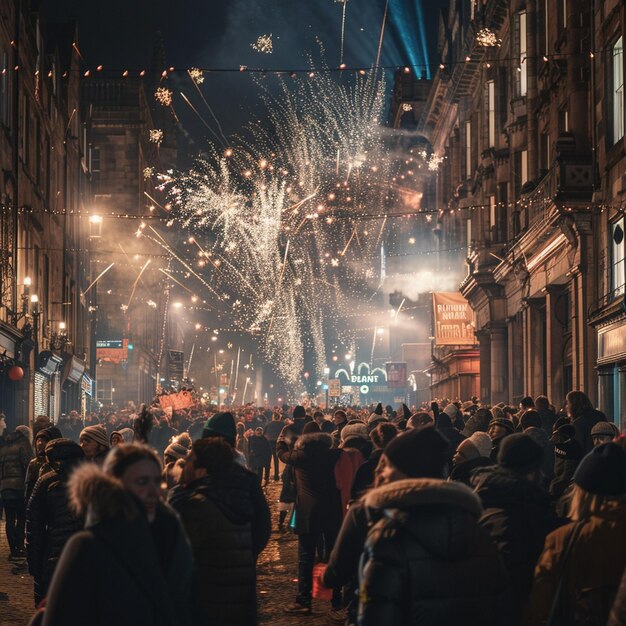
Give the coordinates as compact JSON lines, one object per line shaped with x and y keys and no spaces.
{"x":456,"y":512}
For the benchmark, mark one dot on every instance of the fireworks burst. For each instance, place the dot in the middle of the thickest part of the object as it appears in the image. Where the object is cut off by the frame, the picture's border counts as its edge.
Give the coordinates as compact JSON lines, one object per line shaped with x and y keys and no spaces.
{"x":263,"y":44}
{"x":196,"y":75}
{"x":156,"y":136}
{"x":163,"y":96}
{"x":407,"y":106}
{"x":148,"y":172}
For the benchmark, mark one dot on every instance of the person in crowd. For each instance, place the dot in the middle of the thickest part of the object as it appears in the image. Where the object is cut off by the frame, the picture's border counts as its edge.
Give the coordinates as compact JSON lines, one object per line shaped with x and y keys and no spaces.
{"x":381,"y":436}
{"x":478,"y":422}
{"x":318,"y":507}
{"x":124,"y":435}
{"x":471,"y":454}
{"x":162,"y":434}
{"x":583,"y":416}
{"x":38,"y":464}
{"x":109,"y":572}
{"x":241,"y":442}
{"x":228,"y":523}
{"x":525,"y":404}
{"x":139,"y":469}
{"x":340,"y":419}
{"x":291,"y":432}
{"x":546,"y":413}
{"x":455,"y":417}
{"x":579,"y":571}
{"x":272,"y":432}
{"x":50,"y":521}
{"x":604,"y":432}
{"x":517,"y":511}
{"x":499,"y":429}
{"x":414,"y":570}
{"x":618,"y":610}
{"x":260,"y":452}
{"x":95,"y":443}
{"x":355,"y":436}
{"x":223,"y":425}
{"x":531,"y":425}
{"x":15,"y":455}
{"x":445,"y":426}
{"x":174,"y":459}
{"x":567,"y":455}
{"x":420,"y":420}
{"x":326,"y":426}
{"x":287,"y":498}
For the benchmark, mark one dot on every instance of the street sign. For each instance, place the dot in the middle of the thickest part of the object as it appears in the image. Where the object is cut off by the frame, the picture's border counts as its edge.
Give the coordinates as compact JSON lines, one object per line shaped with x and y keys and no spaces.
{"x":334,"y":387}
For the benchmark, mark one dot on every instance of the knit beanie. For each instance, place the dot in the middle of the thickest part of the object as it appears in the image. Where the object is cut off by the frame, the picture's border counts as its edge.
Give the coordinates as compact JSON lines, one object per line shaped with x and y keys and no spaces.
{"x":96,"y":433}
{"x":606,"y":429}
{"x":355,"y":430}
{"x":176,"y":451}
{"x":299,"y":412}
{"x":467,"y":451}
{"x":48,"y":434}
{"x":603,"y":471}
{"x":483,"y":443}
{"x":222,"y":425}
{"x":530,"y":419}
{"x":63,"y":450}
{"x":520,"y":453}
{"x":505,"y":423}
{"x":128,"y":434}
{"x":418,"y":453}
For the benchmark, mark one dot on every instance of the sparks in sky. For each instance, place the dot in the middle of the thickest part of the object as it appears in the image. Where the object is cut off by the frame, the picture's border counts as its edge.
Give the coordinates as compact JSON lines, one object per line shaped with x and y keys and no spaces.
{"x":163,"y":96}
{"x":196,"y":75}
{"x":263,"y":44}
{"x":156,"y":136}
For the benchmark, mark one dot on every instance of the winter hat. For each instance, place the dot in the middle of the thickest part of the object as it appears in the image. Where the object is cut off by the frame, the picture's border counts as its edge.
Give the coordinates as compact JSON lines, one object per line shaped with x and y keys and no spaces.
{"x":483,"y":443}
{"x":418,"y":453}
{"x":479,"y":422}
{"x":375,"y":417}
{"x":96,"y":433}
{"x":520,"y":453}
{"x":530,"y":419}
{"x":222,"y":425}
{"x":355,"y":430}
{"x":176,"y":451}
{"x":606,"y":429}
{"x":128,"y":434}
{"x":467,"y":451}
{"x":63,"y":449}
{"x":299,"y":412}
{"x":497,"y":412}
{"x":603,"y":471}
{"x":406,"y":412}
{"x":25,"y":431}
{"x":379,"y":409}
{"x":312,"y":427}
{"x":505,"y":423}
{"x":48,"y":434}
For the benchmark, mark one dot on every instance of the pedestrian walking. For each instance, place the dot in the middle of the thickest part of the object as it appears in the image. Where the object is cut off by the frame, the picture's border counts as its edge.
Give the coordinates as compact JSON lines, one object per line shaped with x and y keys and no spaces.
{"x":260,"y":452}
{"x":38,"y":465}
{"x":95,"y":443}
{"x":272,"y":432}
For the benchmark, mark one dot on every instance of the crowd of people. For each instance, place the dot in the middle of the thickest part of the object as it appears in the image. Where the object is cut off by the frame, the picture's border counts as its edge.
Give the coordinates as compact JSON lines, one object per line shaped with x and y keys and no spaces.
{"x":435,"y":515}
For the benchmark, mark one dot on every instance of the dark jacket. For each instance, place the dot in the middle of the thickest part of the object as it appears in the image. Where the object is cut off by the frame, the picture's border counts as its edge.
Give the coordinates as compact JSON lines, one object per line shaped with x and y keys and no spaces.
{"x":517,"y":515}
{"x":427,"y":561}
{"x":259,"y":452}
{"x":318,"y":501}
{"x":583,"y":425}
{"x":228,"y":523}
{"x":50,"y":521}
{"x":15,"y":456}
{"x":290,"y":433}
{"x":38,"y":466}
{"x":590,"y":577}
{"x":464,"y":472}
{"x":540,"y":436}
{"x":273,"y":430}
{"x":109,"y":573}
{"x":567,"y":456}
{"x":548,"y":417}
{"x":618,"y":612}
{"x":454,"y":437}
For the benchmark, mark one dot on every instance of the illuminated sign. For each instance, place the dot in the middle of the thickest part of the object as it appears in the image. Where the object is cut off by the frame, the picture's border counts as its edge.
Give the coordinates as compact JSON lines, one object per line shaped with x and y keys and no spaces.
{"x":360,"y":380}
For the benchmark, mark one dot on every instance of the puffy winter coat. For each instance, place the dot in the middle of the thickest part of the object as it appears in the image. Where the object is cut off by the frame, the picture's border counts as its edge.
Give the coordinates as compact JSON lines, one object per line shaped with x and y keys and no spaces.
{"x":50,"y":521}
{"x":15,"y":456}
{"x":108,"y":573}
{"x":227,"y":521}
{"x":517,"y":515}
{"x":39,"y":466}
{"x":590,"y":577}
{"x":259,"y":452}
{"x":427,"y":561}
{"x":318,"y":501}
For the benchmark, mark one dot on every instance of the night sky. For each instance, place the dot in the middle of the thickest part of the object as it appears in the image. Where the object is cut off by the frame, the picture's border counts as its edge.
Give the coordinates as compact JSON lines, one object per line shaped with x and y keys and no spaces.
{"x":121,"y":34}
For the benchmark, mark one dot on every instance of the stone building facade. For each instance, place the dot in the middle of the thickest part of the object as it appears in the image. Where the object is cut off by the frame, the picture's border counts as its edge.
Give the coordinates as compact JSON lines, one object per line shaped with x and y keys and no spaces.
{"x":510,"y":109}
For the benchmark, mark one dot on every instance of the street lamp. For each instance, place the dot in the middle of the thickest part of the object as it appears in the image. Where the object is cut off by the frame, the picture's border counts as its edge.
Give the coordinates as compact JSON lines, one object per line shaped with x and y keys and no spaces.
{"x":95,"y":226}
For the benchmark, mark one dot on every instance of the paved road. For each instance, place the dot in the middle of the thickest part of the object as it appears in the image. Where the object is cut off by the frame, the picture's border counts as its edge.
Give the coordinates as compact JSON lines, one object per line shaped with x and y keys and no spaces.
{"x":277,"y":571}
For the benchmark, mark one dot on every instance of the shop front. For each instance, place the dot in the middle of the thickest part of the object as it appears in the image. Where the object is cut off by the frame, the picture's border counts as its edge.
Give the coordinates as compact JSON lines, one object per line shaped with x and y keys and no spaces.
{"x":612,"y":371}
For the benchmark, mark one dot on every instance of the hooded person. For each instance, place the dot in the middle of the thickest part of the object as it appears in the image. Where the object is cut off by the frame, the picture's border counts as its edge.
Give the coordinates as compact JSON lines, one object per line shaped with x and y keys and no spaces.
{"x":38,"y":465}
{"x":579,"y":571}
{"x":174,"y":459}
{"x":291,"y":432}
{"x":355,"y":448}
{"x":124,"y":435}
{"x":115,"y":550}
{"x":455,"y":417}
{"x":499,"y":429}
{"x":471,"y":455}
{"x":50,"y":521}
{"x":479,"y":421}
{"x":95,"y":443}
{"x":517,"y":511}
{"x":413,"y":569}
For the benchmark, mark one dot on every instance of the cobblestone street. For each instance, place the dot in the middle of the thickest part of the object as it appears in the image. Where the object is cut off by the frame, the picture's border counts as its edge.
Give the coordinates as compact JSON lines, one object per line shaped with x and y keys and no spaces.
{"x":277,"y":570}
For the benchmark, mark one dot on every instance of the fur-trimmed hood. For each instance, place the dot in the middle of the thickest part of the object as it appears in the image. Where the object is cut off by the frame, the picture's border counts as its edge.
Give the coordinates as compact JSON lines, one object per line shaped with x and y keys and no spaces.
{"x":415,"y":492}
{"x":97,"y":496}
{"x":314,"y":441}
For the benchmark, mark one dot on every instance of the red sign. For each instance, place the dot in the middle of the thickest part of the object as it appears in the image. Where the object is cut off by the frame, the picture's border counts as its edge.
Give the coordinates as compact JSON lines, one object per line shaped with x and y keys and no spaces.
{"x":177,"y":401}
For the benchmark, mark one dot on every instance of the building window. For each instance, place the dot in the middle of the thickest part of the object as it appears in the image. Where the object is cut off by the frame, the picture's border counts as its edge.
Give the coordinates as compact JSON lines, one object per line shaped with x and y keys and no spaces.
{"x":563,"y":121}
{"x":94,"y":164}
{"x":522,"y":69}
{"x":521,"y":170}
{"x":491,"y":114}
{"x":617,"y":88}
{"x":618,"y":275}
{"x":104,"y":390}
{"x":468,"y":149}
